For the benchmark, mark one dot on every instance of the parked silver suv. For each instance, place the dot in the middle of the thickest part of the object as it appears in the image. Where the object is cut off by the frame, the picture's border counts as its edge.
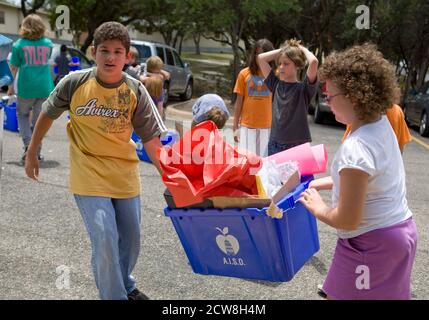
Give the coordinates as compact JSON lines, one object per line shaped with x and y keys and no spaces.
{"x":181,"y":79}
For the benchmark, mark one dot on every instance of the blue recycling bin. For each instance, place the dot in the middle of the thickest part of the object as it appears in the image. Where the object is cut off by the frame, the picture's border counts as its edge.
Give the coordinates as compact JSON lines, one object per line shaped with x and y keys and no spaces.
{"x":167,"y":139}
{"x":246,"y":243}
{"x":10,"y":120}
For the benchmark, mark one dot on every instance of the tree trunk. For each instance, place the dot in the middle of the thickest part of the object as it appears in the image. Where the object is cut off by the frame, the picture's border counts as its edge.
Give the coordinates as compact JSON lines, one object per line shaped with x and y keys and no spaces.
{"x":235,"y":65}
{"x":37,"y":4}
{"x":23,"y":8}
{"x":180,"y":45}
{"x":88,"y":41}
{"x":236,"y":34}
{"x":423,"y":69}
{"x":197,"y":39}
{"x":76,"y":38}
{"x":167,"y":36}
{"x":92,"y":25}
{"x":175,"y":36}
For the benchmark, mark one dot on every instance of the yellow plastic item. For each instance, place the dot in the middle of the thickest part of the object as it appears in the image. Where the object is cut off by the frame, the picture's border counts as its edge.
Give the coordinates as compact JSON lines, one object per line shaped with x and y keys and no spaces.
{"x":261,"y":190}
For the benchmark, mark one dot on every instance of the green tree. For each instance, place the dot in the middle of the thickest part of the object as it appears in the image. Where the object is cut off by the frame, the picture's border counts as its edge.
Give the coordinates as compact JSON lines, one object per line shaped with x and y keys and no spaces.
{"x":87,"y":15}
{"x":401,"y":31}
{"x":199,"y":26}
{"x":227,"y":21}
{"x":413,"y":44}
{"x":170,"y":18}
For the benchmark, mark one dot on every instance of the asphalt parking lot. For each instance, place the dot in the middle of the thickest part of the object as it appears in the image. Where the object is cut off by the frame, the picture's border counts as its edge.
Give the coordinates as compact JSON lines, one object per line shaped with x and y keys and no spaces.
{"x":44,"y":240}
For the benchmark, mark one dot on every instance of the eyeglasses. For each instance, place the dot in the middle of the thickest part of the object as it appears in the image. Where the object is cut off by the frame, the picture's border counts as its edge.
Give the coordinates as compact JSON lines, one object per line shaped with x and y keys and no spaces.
{"x":329,"y":98}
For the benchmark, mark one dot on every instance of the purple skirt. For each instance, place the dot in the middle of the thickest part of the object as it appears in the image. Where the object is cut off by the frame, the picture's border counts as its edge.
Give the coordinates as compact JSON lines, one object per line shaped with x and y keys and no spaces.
{"x":374,"y":265}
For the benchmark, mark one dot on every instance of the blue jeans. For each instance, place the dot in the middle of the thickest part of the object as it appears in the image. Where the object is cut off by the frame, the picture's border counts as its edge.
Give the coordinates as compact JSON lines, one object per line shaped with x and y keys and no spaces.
{"x":275,"y":147}
{"x":113,"y":226}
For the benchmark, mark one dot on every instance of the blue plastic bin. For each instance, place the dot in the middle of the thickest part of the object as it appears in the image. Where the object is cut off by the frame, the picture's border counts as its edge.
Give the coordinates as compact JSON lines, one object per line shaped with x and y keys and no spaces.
{"x":246,"y":243}
{"x":10,"y":121}
{"x":169,"y":138}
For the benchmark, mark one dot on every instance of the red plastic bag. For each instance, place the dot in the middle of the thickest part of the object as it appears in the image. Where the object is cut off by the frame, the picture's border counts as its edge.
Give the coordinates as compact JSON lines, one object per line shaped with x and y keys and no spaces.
{"x":202,"y":165}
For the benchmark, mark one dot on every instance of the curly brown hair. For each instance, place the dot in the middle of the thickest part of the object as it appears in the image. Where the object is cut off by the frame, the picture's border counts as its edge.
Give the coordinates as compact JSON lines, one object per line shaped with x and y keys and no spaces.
{"x":32,"y":27}
{"x":291,"y":50}
{"x":112,"y":30}
{"x":365,"y":77}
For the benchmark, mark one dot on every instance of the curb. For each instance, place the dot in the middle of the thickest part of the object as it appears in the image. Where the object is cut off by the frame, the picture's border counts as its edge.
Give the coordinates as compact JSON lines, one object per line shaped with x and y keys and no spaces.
{"x":173,"y":111}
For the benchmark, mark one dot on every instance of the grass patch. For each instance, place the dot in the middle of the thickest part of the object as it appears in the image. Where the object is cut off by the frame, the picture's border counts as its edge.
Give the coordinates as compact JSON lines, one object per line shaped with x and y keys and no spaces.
{"x":198,"y":66}
{"x":201,"y":84}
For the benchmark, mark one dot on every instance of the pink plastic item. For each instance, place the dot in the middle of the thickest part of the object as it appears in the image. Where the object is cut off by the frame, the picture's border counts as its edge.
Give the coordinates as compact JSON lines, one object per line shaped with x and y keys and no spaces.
{"x":311,"y":160}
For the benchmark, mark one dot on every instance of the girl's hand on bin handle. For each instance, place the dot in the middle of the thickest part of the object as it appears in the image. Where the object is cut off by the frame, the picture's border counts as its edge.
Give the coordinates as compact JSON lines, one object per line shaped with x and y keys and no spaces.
{"x":312,"y":200}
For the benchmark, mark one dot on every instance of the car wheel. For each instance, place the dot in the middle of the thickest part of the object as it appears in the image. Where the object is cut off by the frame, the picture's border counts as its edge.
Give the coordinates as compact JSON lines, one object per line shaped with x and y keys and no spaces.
{"x":424,"y":125}
{"x":319,"y":116}
{"x":187,"y":95}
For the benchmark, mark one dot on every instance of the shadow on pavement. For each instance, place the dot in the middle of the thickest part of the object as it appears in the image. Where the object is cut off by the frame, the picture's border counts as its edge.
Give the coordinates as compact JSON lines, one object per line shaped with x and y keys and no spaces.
{"x":265,"y":283}
{"x":47,"y":164}
{"x":319,"y":265}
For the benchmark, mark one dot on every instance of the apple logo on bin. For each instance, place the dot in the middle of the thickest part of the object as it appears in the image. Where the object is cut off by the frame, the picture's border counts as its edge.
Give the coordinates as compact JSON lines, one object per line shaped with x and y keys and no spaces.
{"x":228,"y":244}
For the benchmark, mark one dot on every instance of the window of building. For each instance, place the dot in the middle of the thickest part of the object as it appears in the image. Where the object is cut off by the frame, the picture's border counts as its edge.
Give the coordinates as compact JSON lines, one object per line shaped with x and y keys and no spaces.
{"x":2,"y":17}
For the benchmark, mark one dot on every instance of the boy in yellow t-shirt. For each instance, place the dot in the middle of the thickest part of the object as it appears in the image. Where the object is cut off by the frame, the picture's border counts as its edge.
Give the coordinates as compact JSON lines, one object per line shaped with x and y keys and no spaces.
{"x":399,"y":126}
{"x":105,"y":106}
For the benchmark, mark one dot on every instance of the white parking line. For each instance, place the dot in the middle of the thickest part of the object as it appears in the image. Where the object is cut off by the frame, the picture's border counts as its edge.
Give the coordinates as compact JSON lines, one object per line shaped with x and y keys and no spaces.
{"x":420,"y":142}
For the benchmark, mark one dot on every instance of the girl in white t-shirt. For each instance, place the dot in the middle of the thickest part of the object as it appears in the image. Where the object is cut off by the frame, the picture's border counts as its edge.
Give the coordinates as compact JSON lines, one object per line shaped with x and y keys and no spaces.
{"x":377,"y":236}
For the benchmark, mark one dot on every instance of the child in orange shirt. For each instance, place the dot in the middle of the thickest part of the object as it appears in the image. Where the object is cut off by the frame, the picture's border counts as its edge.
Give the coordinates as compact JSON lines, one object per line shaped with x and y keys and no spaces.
{"x":397,"y":121}
{"x":253,"y":105}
